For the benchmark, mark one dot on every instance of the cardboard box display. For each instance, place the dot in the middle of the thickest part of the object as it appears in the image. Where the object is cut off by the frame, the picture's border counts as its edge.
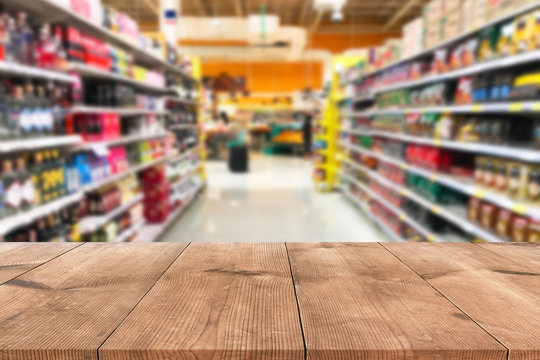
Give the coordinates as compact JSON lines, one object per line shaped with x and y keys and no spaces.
{"x":453,"y":25}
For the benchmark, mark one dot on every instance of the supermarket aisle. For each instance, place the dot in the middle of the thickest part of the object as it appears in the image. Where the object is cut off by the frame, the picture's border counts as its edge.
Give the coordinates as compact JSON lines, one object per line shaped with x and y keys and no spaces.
{"x":274,"y":202}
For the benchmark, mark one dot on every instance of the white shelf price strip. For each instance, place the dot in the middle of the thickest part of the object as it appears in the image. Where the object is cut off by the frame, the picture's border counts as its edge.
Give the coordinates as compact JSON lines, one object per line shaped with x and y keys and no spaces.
{"x":395,"y":237}
{"x":94,"y":222}
{"x":458,"y":184}
{"x":34,"y":72}
{"x":457,"y":220}
{"x":25,"y":218}
{"x":397,"y":211}
{"x":497,"y":64}
{"x":522,"y":10}
{"x":495,"y":150}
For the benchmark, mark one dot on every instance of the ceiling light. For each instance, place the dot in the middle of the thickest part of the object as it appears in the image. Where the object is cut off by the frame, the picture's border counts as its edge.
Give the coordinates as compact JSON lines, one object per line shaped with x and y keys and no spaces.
{"x":337,"y":16}
{"x":329,"y":4}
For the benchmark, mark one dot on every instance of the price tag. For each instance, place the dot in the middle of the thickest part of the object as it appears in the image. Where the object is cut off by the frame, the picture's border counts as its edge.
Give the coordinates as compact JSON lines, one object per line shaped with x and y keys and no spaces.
{"x":402,"y":217}
{"x":433,"y":177}
{"x":437,"y":142}
{"x":431,"y":238}
{"x":479,"y":193}
{"x":446,"y":110}
{"x":477,"y":108}
{"x":436,"y":210}
{"x":404,"y":167}
{"x":519,"y":209}
{"x":403,"y":192}
{"x":516,"y":107}
{"x":535,"y":106}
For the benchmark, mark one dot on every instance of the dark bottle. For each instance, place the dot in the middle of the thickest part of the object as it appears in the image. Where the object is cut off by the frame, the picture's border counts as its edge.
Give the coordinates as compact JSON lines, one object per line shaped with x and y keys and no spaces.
{"x":14,"y":112}
{"x":4,"y":129}
{"x":12,"y":189}
{"x":35,"y":171}
{"x":24,"y":41}
{"x":27,"y":186}
{"x":27,"y":116}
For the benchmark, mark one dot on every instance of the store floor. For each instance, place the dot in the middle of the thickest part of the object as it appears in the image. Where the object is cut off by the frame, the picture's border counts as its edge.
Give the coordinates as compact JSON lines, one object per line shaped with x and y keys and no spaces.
{"x":275,"y":201}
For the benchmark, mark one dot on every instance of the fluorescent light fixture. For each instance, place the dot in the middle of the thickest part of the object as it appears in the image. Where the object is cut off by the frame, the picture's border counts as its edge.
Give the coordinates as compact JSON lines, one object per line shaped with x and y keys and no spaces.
{"x":329,"y":4}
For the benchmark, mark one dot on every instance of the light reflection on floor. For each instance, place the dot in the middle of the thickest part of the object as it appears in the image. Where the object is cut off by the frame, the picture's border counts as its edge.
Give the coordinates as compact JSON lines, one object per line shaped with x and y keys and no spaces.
{"x":275,"y":201}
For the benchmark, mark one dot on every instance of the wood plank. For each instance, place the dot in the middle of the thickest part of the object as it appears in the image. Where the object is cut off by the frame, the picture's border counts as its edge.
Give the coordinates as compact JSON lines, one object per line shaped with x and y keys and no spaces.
{"x":502,"y":295}
{"x":65,"y":309}
{"x":18,"y":258}
{"x":516,"y":252}
{"x":357,"y":301}
{"x":217,"y":301}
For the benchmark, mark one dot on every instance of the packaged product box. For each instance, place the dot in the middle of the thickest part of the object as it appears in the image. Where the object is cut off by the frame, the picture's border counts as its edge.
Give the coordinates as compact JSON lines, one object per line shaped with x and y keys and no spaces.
{"x":500,"y":8}
{"x":503,"y":223}
{"x":453,"y":25}
{"x":488,"y":214}
{"x":451,"y":6}
{"x":434,"y":10}
{"x":412,"y":40}
{"x":520,"y":227}
{"x":156,"y":213}
{"x":533,"y":233}
{"x":434,"y":33}
{"x":157,"y":174}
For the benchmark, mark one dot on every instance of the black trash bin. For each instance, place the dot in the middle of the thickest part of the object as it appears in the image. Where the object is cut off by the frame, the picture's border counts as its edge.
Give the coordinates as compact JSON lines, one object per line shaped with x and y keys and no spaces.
{"x":238,"y":159}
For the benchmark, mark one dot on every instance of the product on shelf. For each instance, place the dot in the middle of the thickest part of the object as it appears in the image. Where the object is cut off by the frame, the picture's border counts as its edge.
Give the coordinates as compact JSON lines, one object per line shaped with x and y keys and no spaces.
{"x":55,"y":227}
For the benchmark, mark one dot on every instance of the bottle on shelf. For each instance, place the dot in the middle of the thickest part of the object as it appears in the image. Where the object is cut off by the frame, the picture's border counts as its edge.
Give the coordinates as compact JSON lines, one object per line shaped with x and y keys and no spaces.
{"x":12,"y":189}
{"x":35,"y":172}
{"x":14,"y":111}
{"x":27,"y":186}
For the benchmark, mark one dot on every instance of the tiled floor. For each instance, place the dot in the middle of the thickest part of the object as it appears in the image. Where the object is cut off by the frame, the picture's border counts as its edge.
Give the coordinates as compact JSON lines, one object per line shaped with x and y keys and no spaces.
{"x":275,"y":201}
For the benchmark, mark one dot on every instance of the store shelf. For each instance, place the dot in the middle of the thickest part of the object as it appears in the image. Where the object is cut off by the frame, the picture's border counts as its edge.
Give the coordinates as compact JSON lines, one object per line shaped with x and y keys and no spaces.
{"x":516,"y":107}
{"x":183,"y":126}
{"x":184,"y":155}
{"x":179,"y":100}
{"x":392,"y":235}
{"x":38,"y":143}
{"x":128,"y":233}
{"x":464,"y":35}
{"x":459,"y":184}
{"x":152,"y":232}
{"x":397,"y":211}
{"x":116,"y":177}
{"x":451,"y":215}
{"x":487,"y":149}
{"x":121,"y":141}
{"x":32,"y":72}
{"x":51,"y":11}
{"x":25,"y":218}
{"x":497,"y":64}
{"x":186,"y":176}
{"x":90,"y":224}
{"x":95,"y":73}
{"x":119,"y":111}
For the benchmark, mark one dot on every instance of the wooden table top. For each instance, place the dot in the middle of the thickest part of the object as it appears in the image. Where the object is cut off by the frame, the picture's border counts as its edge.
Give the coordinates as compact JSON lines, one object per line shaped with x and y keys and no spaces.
{"x":270,"y":301}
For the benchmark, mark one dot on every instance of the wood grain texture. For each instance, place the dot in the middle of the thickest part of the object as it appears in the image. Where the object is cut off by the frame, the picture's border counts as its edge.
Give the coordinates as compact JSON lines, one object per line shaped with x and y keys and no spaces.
{"x":501,"y":294}
{"x":357,"y":301}
{"x":65,"y":309}
{"x":217,"y":301}
{"x":18,"y":258}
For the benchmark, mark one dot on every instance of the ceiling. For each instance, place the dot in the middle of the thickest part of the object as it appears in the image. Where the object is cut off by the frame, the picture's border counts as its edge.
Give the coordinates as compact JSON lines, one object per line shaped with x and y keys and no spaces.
{"x":360,"y":15}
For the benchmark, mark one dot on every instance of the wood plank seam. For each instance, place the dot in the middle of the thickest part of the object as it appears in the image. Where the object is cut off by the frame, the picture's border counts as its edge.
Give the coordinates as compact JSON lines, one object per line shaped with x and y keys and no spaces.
{"x":141,"y":299}
{"x":443,"y":295}
{"x":297,"y":303}
{"x":43,"y":263}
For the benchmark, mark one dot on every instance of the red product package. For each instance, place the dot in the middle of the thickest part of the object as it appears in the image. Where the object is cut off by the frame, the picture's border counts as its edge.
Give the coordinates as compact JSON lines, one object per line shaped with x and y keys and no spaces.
{"x":155,"y":175}
{"x":156,"y":213}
